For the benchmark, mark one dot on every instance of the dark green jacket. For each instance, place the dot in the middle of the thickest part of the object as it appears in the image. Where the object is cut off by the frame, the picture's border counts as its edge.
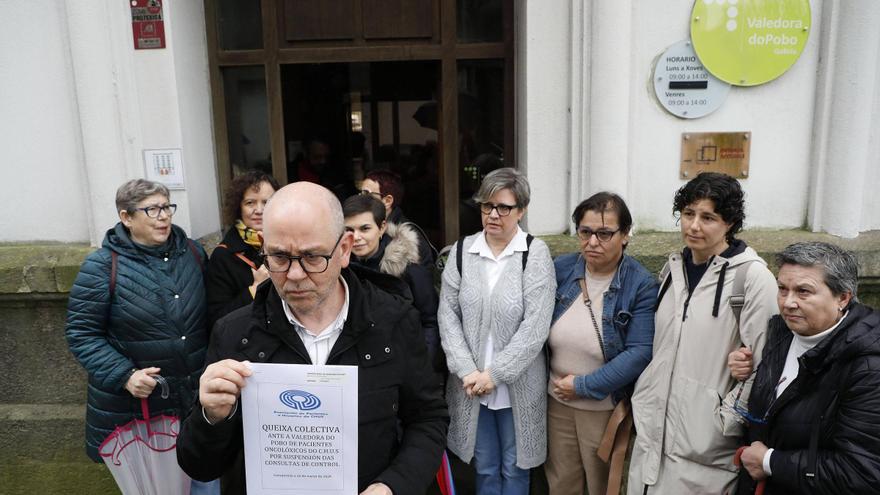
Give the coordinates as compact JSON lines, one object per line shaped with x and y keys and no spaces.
{"x":157,"y":317}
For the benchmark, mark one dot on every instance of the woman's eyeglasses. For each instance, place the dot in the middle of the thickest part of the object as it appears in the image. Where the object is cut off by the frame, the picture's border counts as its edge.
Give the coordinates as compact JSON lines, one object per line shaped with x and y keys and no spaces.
{"x":604,"y":235}
{"x":153,"y":211}
{"x":502,"y":209}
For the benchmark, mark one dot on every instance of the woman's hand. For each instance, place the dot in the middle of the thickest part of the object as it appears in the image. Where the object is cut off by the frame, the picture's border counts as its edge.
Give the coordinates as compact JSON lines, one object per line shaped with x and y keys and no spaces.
{"x":467,"y":383}
{"x":564,"y":388}
{"x":141,"y":383}
{"x":259,"y":275}
{"x":740,"y":363}
{"x":484,"y":385}
{"x":753,"y":460}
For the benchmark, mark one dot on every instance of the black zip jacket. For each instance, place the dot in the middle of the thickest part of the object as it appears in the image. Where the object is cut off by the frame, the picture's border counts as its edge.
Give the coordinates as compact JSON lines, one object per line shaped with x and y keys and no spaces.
{"x":402,"y":416}
{"x":825,"y":427}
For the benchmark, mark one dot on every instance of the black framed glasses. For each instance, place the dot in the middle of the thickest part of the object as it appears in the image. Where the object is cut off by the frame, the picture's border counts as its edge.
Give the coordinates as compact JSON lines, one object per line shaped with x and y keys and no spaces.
{"x":502,"y":209}
{"x":153,"y":211}
{"x":367,"y":192}
{"x":604,"y":235}
{"x":310,"y":263}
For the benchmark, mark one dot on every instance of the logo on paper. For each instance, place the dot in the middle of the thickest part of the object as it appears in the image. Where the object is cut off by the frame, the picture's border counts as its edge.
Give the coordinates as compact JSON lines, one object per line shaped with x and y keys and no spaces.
{"x":299,"y":400}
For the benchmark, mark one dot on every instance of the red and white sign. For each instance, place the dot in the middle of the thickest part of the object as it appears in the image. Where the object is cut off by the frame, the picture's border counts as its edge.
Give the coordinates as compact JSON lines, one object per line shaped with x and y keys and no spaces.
{"x":147,"y":25}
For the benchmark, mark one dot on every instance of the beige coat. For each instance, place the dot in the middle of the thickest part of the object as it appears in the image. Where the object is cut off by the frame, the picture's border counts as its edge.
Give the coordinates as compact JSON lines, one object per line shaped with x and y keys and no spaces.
{"x":685,"y":440}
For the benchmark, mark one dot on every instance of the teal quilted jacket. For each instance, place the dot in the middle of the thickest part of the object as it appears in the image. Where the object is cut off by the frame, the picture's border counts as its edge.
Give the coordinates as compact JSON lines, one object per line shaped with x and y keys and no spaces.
{"x":155,"y":316}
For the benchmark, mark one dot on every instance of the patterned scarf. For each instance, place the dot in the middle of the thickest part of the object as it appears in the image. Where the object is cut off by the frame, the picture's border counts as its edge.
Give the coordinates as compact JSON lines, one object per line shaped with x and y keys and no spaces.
{"x":248,"y":235}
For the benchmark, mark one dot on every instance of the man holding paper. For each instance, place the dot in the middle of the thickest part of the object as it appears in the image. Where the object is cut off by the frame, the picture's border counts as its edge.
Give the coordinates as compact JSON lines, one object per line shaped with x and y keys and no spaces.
{"x":317,"y":310}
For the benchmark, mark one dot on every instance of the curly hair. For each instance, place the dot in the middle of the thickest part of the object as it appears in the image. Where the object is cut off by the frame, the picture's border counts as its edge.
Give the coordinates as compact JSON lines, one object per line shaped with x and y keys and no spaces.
{"x":723,"y":190}
{"x":235,"y":192}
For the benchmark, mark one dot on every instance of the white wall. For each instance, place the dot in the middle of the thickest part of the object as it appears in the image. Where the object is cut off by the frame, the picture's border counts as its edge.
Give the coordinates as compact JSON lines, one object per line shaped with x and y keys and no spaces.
{"x":778,"y":114}
{"x":542,"y":108}
{"x":80,"y":105}
{"x":42,"y":163}
{"x":190,"y":52}
{"x":620,"y":138}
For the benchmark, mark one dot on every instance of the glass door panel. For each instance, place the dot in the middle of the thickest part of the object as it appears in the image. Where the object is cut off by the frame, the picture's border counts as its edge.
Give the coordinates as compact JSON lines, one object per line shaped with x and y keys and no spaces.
{"x":343,"y":120}
{"x":247,"y":118}
{"x":480,"y":132}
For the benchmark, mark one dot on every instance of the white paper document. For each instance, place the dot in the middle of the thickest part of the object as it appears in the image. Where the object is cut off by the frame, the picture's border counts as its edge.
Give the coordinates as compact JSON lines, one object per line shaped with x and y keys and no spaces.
{"x":301,"y":429}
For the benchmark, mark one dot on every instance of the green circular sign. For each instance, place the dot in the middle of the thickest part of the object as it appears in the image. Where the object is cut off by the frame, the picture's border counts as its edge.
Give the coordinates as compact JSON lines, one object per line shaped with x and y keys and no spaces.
{"x":749,"y":42}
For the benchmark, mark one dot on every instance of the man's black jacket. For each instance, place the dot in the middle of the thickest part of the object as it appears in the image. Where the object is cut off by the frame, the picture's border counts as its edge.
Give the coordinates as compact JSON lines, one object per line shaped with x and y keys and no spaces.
{"x":825,"y":426}
{"x":402,"y":416}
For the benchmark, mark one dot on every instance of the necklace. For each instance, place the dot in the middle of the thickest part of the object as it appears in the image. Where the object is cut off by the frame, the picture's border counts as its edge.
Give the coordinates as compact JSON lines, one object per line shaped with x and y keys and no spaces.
{"x":589,"y":304}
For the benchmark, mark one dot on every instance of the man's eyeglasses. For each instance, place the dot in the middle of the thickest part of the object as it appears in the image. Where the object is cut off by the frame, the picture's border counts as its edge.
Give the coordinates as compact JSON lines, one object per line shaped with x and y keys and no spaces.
{"x":604,"y":235}
{"x":502,"y":209}
{"x":310,"y":263}
{"x":153,"y":211}
{"x":367,"y":192}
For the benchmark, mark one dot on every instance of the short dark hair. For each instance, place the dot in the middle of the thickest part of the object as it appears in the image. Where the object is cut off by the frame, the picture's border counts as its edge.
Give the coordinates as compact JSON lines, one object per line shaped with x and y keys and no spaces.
{"x":389,"y":183}
{"x":235,"y":192}
{"x":600,"y":203}
{"x":721,"y":189}
{"x":839,"y":266}
{"x":364,"y":203}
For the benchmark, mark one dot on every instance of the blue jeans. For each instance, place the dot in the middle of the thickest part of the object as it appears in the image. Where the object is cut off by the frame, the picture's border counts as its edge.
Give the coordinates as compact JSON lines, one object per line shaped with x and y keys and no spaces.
{"x":495,"y":455}
{"x":205,"y":487}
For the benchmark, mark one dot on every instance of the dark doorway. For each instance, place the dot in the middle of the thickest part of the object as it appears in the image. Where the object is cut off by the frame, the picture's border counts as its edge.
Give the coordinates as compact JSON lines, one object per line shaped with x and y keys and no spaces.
{"x":342,"y":120}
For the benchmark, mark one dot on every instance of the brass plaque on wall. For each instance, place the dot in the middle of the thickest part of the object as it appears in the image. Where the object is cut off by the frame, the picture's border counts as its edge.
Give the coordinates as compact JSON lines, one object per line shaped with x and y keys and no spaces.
{"x":725,"y":152}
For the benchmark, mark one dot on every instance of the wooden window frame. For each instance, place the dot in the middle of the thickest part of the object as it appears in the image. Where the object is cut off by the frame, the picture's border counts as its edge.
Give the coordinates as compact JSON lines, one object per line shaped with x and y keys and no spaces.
{"x":444,"y":48}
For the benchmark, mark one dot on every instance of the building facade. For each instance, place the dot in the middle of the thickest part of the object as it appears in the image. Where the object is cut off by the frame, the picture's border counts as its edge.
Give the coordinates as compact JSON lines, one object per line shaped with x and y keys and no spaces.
{"x":439,"y":90}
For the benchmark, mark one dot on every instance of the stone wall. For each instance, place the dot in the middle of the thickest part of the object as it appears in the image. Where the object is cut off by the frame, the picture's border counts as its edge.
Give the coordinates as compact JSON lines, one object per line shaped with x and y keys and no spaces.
{"x":42,"y":405}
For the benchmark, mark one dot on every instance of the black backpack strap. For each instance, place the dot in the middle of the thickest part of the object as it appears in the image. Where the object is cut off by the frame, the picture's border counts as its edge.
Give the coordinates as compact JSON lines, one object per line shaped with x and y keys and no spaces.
{"x":459,"y":245}
{"x":525,"y":255}
{"x":666,"y":276}
{"x":114,"y":262}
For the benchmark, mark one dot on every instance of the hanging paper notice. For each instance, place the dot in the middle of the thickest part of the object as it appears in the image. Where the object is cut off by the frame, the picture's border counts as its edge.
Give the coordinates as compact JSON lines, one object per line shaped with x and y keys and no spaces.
{"x":300,"y":429}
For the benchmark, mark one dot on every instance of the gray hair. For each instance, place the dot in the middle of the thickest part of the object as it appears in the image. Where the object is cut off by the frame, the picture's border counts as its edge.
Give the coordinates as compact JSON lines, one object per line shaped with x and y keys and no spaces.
{"x":839,"y":266}
{"x":505,"y":178}
{"x":134,"y":191}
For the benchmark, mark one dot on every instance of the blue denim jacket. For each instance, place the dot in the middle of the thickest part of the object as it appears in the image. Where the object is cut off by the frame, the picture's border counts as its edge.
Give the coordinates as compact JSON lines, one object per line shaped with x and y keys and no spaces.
{"x":627,"y":323}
